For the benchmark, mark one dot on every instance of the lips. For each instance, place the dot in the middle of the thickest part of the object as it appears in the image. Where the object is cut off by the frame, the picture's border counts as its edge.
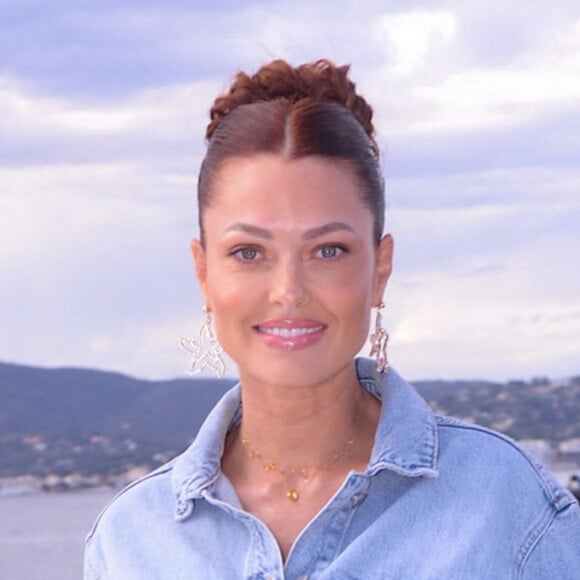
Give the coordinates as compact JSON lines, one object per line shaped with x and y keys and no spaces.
{"x":290,"y":334}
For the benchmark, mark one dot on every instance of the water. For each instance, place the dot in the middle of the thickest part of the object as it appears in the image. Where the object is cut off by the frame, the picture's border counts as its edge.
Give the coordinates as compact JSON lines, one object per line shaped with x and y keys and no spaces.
{"x":42,"y":535}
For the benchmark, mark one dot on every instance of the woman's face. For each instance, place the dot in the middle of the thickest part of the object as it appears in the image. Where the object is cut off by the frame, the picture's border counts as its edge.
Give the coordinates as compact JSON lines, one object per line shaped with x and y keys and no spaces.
{"x":290,"y":269}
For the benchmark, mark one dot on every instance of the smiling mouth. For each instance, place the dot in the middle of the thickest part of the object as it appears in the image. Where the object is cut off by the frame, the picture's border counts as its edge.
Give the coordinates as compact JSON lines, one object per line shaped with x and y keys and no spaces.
{"x":289,"y":332}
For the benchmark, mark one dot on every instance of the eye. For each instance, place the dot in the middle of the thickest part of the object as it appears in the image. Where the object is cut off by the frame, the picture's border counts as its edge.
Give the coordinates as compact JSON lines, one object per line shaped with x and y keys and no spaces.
{"x":246,"y":254}
{"x":330,"y":252}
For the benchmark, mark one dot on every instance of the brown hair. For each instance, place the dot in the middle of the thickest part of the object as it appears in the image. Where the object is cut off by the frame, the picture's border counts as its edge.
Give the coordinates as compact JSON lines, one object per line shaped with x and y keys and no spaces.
{"x":309,"y":110}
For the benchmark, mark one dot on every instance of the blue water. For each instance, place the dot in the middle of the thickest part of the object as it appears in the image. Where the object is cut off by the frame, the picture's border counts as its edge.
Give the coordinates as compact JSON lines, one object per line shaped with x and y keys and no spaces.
{"x":42,"y":535}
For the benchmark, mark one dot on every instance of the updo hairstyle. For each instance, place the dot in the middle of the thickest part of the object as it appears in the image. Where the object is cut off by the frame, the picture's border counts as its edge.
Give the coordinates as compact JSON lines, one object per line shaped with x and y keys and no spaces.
{"x":309,"y":110}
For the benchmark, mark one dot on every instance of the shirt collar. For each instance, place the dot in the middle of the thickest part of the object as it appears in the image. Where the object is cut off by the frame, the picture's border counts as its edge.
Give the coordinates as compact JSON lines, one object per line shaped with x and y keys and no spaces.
{"x":406,"y":440}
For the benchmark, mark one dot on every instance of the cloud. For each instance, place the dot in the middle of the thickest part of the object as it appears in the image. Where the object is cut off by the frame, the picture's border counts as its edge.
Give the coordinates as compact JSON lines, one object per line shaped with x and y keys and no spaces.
{"x":443,"y":85}
{"x":510,"y":95}
{"x":100,"y":52}
{"x":80,"y":262}
{"x":161,"y":126}
{"x":496,"y":34}
{"x":411,"y":38}
{"x":549,"y":141}
{"x":102,"y":115}
{"x":447,"y":325}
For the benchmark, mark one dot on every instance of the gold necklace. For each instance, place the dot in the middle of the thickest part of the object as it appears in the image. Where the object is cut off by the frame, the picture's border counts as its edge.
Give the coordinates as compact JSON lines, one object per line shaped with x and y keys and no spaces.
{"x":305,"y":471}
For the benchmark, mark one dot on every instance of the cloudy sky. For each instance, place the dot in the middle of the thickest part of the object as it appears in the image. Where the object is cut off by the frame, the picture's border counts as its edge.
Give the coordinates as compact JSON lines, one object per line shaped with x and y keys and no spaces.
{"x":103,"y":107}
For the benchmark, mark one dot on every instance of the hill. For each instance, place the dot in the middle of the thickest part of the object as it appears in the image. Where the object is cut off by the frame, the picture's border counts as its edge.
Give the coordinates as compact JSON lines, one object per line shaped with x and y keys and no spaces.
{"x":61,"y":421}
{"x":95,"y":424}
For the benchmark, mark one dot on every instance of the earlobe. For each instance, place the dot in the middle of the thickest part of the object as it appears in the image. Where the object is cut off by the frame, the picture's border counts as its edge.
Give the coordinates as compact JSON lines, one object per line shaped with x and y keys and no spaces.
{"x":383,"y":267}
{"x":199,"y":257}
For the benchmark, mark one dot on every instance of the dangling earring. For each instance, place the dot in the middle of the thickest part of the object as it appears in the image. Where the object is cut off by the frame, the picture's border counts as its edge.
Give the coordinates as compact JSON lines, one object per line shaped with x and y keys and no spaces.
{"x":206,"y":351}
{"x":379,"y":339}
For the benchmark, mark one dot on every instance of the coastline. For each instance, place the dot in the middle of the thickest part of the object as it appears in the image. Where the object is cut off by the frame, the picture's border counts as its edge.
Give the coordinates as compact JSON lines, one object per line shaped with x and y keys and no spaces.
{"x":30,"y":485}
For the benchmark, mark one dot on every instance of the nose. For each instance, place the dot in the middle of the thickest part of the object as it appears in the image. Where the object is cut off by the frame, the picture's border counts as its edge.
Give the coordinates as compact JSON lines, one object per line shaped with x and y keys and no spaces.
{"x":289,"y":285}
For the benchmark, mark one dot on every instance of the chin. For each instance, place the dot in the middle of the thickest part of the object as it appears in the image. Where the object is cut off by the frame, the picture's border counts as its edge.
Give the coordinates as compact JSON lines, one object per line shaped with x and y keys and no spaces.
{"x":294,"y":372}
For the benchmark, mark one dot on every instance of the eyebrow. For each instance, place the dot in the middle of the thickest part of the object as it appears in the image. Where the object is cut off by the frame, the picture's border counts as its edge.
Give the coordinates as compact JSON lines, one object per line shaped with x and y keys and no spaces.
{"x":249,"y":229}
{"x":307,"y":235}
{"x":326,"y":229}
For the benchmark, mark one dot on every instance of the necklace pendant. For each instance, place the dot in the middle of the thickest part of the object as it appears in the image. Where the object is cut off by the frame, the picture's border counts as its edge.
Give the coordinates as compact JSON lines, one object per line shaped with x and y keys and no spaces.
{"x":293,"y":495}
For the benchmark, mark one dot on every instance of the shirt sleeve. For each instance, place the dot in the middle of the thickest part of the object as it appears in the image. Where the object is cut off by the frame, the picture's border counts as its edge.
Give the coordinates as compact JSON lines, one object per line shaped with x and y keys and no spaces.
{"x":557,"y":552}
{"x":93,"y":570}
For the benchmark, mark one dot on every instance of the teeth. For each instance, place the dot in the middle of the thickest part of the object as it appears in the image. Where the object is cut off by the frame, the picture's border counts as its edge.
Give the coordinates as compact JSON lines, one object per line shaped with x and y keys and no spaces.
{"x":290,"y":332}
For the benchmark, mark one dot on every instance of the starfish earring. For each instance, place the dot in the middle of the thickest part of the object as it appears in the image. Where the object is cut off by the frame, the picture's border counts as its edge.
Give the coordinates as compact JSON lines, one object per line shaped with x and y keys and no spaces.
{"x":379,"y":339}
{"x":205,"y":350}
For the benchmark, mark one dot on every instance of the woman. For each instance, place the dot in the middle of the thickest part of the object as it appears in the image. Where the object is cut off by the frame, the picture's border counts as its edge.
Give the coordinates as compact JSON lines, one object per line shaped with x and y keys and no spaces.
{"x":320,"y":465}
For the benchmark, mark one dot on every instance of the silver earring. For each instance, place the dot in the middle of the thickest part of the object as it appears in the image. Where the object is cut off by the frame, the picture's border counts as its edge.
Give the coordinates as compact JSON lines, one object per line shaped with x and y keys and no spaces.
{"x":379,"y":339}
{"x":205,"y":350}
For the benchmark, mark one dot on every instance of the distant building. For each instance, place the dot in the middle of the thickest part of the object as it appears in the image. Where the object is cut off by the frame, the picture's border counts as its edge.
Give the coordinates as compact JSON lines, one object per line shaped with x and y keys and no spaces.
{"x":539,"y":448}
{"x":570,"y":446}
{"x":574,"y":486}
{"x":20,"y":486}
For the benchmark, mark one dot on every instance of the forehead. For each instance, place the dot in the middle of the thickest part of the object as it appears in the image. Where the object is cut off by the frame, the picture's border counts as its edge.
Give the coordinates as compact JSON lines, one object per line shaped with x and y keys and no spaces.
{"x":275,"y":190}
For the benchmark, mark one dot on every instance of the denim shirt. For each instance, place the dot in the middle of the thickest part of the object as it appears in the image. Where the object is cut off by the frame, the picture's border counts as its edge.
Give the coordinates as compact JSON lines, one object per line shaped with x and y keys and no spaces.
{"x":440,"y":499}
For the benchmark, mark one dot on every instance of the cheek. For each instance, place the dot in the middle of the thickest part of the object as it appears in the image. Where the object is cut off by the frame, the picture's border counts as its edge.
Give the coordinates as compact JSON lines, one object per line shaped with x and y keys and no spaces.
{"x":350,"y":300}
{"x":223,"y":287}
{"x":352,"y":284}
{"x":352,"y":314}
{"x":356,"y":295}
{"x":226,"y":297}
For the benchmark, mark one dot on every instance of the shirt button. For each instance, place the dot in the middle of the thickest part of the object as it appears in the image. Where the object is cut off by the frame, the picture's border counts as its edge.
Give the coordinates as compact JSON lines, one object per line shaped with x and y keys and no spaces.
{"x":357,"y":499}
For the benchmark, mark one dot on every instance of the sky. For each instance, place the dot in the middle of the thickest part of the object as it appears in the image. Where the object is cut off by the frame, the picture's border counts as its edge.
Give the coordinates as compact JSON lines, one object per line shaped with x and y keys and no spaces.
{"x":103,"y":108}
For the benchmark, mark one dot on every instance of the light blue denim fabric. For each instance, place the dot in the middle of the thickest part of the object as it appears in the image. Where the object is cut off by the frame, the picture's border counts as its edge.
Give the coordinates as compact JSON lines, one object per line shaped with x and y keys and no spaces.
{"x":440,"y":500}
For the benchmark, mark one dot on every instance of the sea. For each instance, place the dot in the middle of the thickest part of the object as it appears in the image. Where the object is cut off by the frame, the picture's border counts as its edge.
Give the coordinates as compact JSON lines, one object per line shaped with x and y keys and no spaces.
{"x":42,"y":535}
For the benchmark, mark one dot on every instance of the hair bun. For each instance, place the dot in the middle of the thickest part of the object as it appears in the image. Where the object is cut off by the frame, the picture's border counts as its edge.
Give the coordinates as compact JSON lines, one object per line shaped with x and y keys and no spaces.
{"x":319,"y":81}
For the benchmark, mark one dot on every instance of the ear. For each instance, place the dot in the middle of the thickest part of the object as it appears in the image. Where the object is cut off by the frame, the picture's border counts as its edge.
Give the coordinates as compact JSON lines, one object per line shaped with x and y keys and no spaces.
{"x":199,"y":257}
{"x":383,"y":268}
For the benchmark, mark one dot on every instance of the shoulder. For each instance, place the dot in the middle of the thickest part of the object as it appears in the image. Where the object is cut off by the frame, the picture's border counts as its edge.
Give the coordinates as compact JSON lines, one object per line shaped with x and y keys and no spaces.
{"x":159,"y":496}
{"x":496,"y":459}
{"x":150,"y":496}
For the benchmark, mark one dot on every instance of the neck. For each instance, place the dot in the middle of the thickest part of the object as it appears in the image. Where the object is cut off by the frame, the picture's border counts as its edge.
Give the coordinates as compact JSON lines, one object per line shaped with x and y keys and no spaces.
{"x":299,"y":426}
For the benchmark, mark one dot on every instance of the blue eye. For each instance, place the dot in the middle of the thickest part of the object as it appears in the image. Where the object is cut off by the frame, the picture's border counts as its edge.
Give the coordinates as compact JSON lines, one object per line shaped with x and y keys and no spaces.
{"x":246,"y":254}
{"x":330,"y":252}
